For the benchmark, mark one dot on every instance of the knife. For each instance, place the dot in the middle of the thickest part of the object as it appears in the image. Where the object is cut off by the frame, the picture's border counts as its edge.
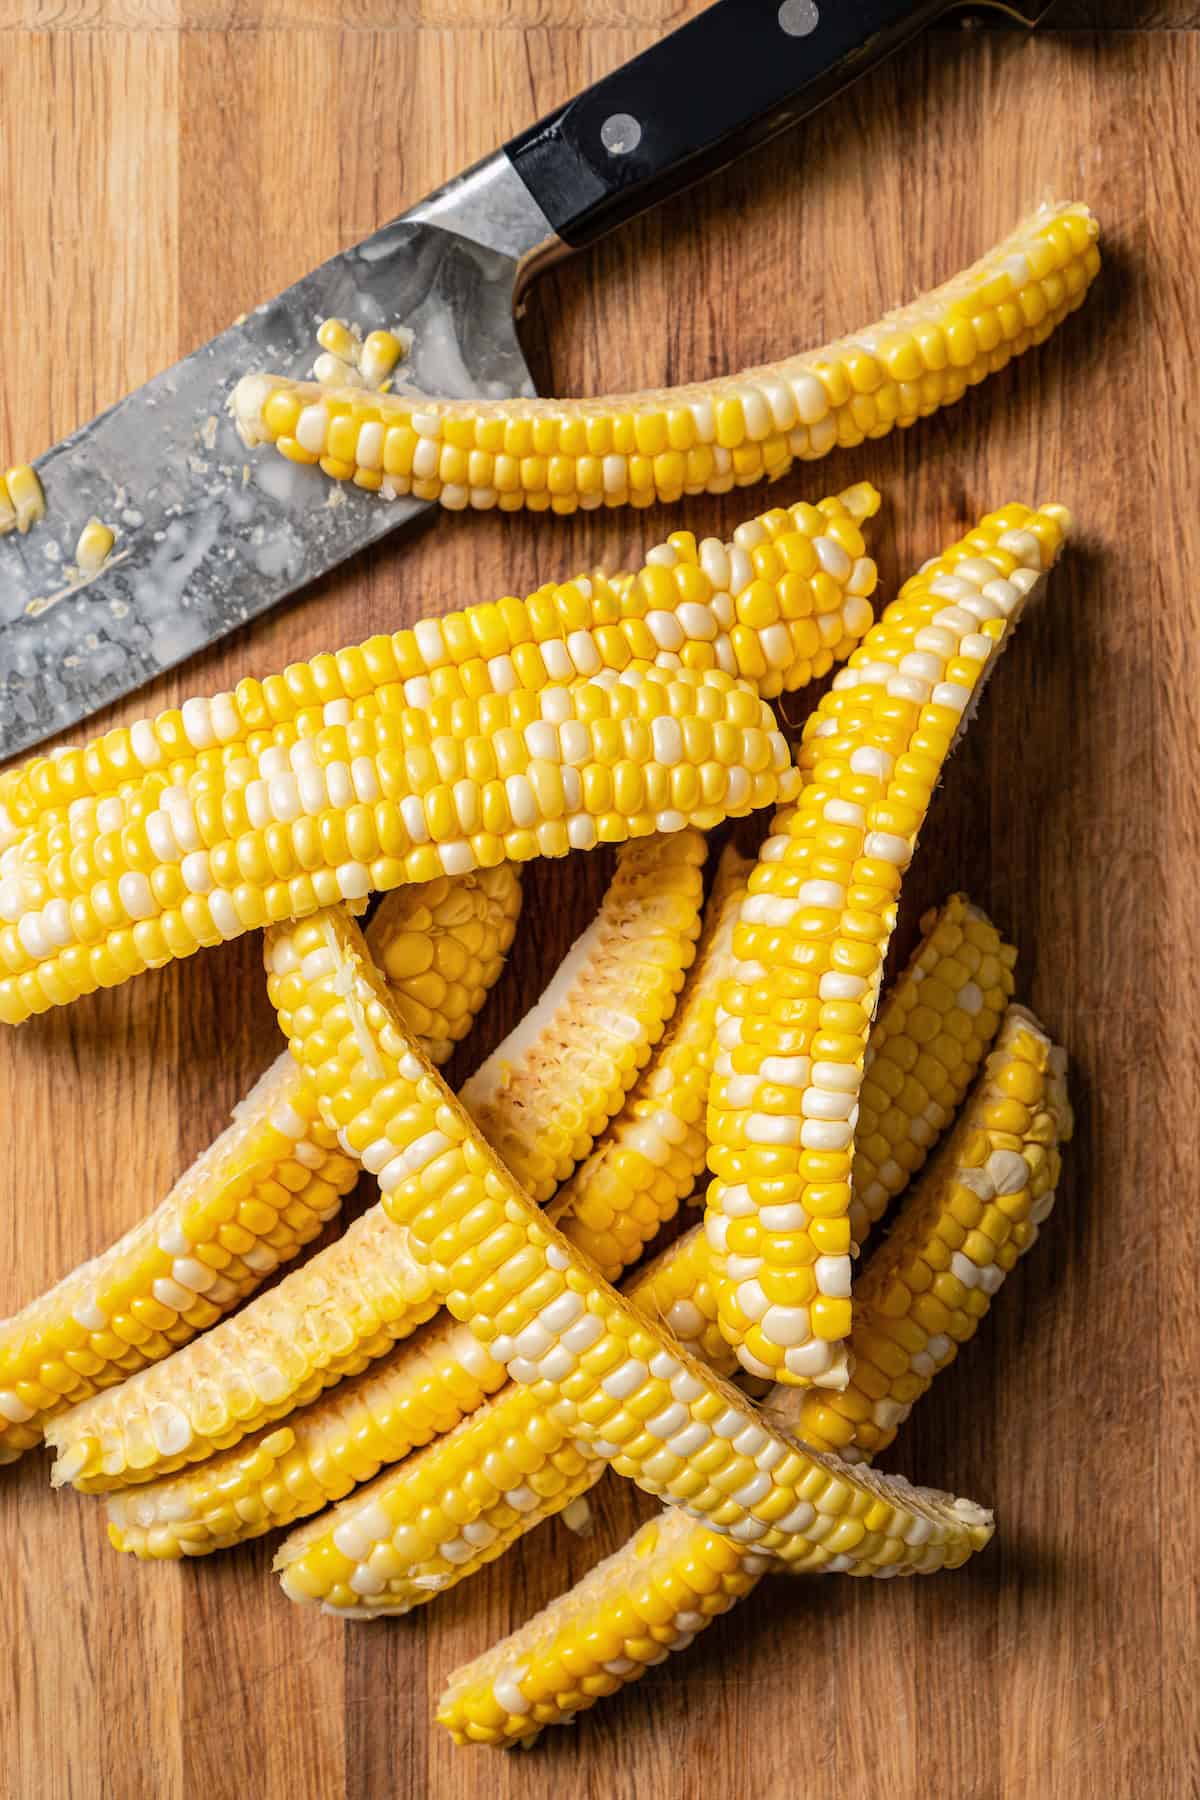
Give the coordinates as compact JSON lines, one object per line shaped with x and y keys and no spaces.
{"x":207,"y":538}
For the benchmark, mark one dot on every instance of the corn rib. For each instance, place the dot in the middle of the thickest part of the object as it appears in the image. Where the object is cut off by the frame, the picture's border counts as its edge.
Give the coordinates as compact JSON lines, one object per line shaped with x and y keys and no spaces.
{"x":257,"y":1195}
{"x":996,"y":1177}
{"x":639,"y":449}
{"x":778,"y":604}
{"x":811,"y":942}
{"x":620,"y":985}
{"x":459,"y":787}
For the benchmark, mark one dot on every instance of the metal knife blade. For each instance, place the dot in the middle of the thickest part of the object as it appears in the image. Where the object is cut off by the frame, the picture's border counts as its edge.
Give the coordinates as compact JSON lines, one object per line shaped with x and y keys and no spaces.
{"x":208,"y":536}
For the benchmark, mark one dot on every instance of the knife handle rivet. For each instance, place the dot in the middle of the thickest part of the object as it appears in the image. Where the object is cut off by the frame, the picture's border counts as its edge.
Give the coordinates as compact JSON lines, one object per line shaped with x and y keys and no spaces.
{"x":620,"y":133}
{"x":799,"y":17}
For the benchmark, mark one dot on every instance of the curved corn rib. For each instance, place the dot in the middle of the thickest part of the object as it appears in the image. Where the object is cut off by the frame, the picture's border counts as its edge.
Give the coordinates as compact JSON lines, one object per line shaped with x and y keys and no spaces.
{"x":674,"y":1577}
{"x":934,"y":1028}
{"x":620,"y":983}
{"x":451,"y":789}
{"x":653,"y":1154}
{"x":257,"y":1195}
{"x":707,"y":438}
{"x":778,"y":604}
{"x":597,"y":1365}
{"x":549,"y":1089}
{"x":811,"y":942}
{"x":421,"y":1391}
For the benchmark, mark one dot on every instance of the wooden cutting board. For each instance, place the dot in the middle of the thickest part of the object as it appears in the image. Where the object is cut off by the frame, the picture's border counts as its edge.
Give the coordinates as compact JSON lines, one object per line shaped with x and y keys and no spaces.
{"x":165,"y":164}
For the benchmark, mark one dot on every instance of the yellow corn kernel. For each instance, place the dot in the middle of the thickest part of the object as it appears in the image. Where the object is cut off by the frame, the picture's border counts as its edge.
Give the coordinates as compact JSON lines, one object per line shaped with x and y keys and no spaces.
{"x":25,"y":496}
{"x":94,"y":547}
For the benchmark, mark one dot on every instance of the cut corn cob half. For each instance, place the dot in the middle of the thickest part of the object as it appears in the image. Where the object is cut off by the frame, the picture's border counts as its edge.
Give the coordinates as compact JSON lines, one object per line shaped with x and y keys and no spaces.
{"x":621,"y":984}
{"x":778,"y":604}
{"x":675,"y":1577}
{"x":935,"y":1026}
{"x":461,"y":786}
{"x":601,"y":1369}
{"x":675,"y":1288}
{"x":327,"y":1320}
{"x":257,"y":1195}
{"x":639,"y":449}
{"x":424,"y":1388}
{"x":549,"y":1089}
{"x":811,"y":942}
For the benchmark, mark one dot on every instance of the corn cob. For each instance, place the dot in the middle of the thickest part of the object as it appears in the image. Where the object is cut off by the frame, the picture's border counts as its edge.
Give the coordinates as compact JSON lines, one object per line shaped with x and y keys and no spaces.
{"x":778,"y":605}
{"x":422,"y":1390}
{"x":675,"y":1577}
{"x":599,"y":1367}
{"x":546,"y":1093}
{"x":653,"y":1154}
{"x":650,"y":750}
{"x":388,"y":1521}
{"x":622,"y":981}
{"x":426,"y":1525}
{"x":933,"y":1031}
{"x":811,"y":940}
{"x":707,"y":438}
{"x":261,"y":1192}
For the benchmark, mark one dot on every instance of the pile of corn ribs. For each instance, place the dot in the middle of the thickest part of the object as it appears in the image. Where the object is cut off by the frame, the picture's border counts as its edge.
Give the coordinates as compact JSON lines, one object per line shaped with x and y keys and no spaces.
{"x":458,"y":1365}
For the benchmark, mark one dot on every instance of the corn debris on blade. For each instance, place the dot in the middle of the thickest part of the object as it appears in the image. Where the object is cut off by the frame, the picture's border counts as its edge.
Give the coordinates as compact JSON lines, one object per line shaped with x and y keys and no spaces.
{"x":812,"y":938}
{"x":260,"y":1193}
{"x":623,"y":982}
{"x":639,"y":449}
{"x":549,"y":1089}
{"x":422,"y":1389}
{"x":652,"y":1155}
{"x":934,"y":1028}
{"x":778,"y":604}
{"x":459,"y":787}
{"x":597,"y":1364}
{"x":674,"y":1577}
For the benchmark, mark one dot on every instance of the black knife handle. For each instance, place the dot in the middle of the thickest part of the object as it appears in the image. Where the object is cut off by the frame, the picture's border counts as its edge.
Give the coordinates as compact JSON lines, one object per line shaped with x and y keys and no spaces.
{"x":730,"y":78}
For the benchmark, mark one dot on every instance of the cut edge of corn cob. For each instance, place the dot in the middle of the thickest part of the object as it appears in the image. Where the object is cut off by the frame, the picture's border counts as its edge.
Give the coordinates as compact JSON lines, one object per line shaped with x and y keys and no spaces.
{"x":813,"y":935}
{"x":708,"y":437}
{"x":550,"y":1087}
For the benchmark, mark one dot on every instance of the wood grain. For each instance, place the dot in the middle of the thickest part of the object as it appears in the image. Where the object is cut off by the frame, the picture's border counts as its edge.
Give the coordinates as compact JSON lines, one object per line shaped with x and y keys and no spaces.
{"x":165,"y":163}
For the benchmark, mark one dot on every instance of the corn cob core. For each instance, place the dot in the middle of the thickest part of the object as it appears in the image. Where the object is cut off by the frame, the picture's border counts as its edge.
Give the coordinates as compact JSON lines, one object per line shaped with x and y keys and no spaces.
{"x":423,"y":1389}
{"x":624,"y":986}
{"x":549,"y":1089}
{"x":257,"y":1195}
{"x":653,"y":1154}
{"x":707,"y":438}
{"x":778,"y":604}
{"x":675,"y":1577}
{"x":461,"y":786}
{"x":811,"y":942}
{"x":599,"y":1367}
{"x":933,"y":1030}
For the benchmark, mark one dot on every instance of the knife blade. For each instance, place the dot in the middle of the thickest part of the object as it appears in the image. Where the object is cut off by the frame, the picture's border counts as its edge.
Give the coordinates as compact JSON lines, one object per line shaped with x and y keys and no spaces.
{"x":207,"y":536}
